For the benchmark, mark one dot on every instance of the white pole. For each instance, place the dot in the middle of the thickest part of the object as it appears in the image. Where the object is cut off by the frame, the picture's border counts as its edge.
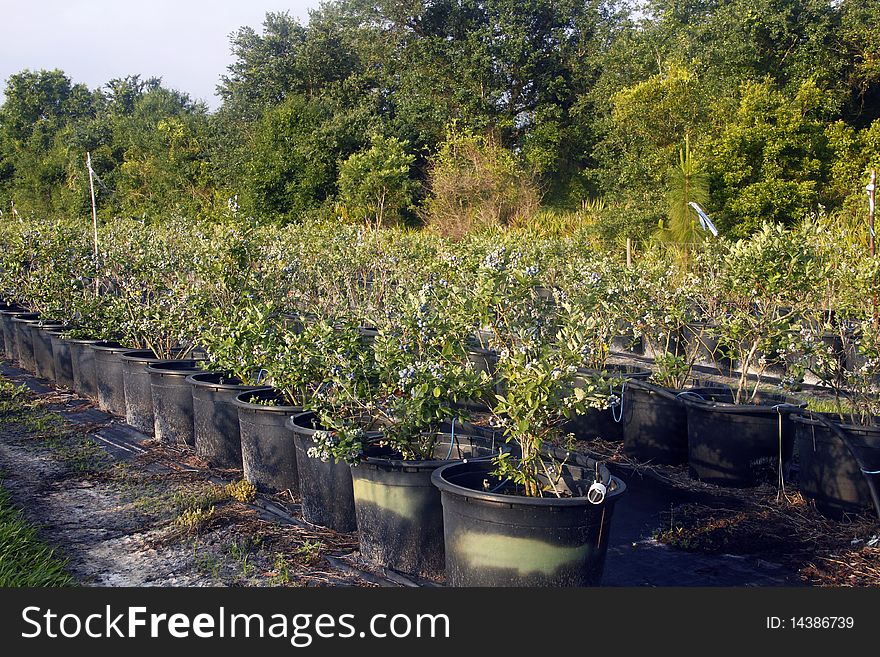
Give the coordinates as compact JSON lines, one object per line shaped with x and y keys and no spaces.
{"x":94,"y":207}
{"x":94,"y":213}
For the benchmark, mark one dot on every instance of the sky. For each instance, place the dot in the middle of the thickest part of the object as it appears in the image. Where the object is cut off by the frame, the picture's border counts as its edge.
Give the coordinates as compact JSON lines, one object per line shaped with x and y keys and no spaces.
{"x":185,"y":42}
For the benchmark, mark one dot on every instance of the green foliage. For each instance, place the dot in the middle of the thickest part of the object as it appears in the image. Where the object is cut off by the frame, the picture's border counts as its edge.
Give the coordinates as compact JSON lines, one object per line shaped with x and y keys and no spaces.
{"x":241,"y":490}
{"x":687,"y":183}
{"x":293,"y":154}
{"x":647,"y":122}
{"x":376,"y":182}
{"x":768,"y":160}
{"x":555,"y":100}
{"x":766,"y":279}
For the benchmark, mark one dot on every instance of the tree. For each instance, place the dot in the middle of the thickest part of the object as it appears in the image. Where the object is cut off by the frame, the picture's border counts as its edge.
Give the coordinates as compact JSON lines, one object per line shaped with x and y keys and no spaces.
{"x":647,"y":122}
{"x":687,"y":183}
{"x":293,"y":156}
{"x":769,"y":161}
{"x":375,"y":183}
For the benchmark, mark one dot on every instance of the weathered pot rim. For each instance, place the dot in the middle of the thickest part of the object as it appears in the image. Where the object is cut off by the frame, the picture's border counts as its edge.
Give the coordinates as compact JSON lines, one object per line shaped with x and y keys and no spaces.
{"x":285,"y":409}
{"x":673,"y":394}
{"x":140,"y":356}
{"x":613,"y":494}
{"x":57,"y":330}
{"x":784,"y":404}
{"x":810,"y":418}
{"x":162,"y":367}
{"x":86,"y":341}
{"x":307,"y":430}
{"x":109,"y":346}
{"x":415,"y":465}
{"x":616,"y":370}
{"x":197,"y":379}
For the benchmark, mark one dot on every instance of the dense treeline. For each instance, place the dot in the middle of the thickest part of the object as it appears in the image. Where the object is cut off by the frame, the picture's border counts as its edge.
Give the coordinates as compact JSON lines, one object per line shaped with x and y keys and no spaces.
{"x":462,"y":113}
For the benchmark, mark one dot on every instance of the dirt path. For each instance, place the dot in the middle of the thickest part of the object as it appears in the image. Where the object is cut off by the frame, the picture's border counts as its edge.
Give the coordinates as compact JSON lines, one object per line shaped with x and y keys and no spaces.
{"x":126,"y":512}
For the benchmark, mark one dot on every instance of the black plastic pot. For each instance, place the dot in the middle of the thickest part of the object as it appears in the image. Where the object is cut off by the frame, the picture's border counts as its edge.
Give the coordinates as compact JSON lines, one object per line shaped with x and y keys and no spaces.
{"x":830,"y":473}
{"x":267,"y":451}
{"x":676,"y":344}
{"x":7,"y":312}
{"x":654,"y":424}
{"x":484,"y":360}
{"x":398,"y":509}
{"x":738,"y":445}
{"x":44,"y":363}
{"x":61,"y":359}
{"x":173,"y":400}
{"x":606,"y":423}
{"x":138,"y":394}
{"x":325,"y":487}
{"x":494,"y":539}
{"x":108,"y":376}
{"x":215,"y":419}
{"x":82,"y":360}
{"x":24,"y":341}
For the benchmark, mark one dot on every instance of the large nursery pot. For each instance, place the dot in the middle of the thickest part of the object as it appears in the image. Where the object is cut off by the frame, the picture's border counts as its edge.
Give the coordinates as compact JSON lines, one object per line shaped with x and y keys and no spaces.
{"x":654,"y":424}
{"x":830,"y":474}
{"x":398,"y":508}
{"x":738,"y":445}
{"x":173,"y":400}
{"x":498,"y":539}
{"x":606,"y":423}
{"x":136,"y":384}
{"x":108,"y":376}
{"x":44,"y":364}
{"x":216,"y":429}
{"x":325,"y":487}
{"x":82,"y":359}
{"x":24,"y":341}
{"x":61,"y":359}
{"x":267,"y":451}
{"x":7,"y":313}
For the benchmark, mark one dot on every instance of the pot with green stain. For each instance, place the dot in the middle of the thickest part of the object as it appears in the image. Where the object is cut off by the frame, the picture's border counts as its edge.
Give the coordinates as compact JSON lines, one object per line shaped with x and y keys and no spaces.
{"x":494,"y":537}
{"x":398,"y":509}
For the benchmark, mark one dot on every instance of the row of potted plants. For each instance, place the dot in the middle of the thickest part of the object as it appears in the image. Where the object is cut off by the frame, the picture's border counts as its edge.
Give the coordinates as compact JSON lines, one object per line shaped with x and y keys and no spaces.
{"x":388,"y":338}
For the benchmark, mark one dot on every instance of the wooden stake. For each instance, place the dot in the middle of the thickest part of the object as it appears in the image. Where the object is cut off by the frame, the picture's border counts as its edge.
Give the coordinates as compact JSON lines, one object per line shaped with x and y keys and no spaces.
{"x":870,"y":188}
{"x":629,"y":261}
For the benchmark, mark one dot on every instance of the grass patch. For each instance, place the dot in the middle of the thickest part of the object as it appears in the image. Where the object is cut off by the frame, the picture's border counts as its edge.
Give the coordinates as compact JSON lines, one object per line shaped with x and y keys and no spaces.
{"x":19,"y":410}
{"x":24,"y":559}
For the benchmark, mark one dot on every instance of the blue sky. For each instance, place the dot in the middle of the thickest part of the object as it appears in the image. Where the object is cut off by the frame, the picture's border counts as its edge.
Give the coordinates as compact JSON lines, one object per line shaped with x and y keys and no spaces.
{"x":185,"y":42}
